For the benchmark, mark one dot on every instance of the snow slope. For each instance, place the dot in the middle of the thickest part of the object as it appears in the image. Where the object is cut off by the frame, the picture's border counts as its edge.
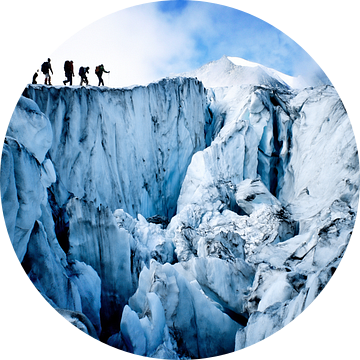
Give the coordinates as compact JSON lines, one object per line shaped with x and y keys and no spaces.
{"x":229,"y":71}
{"x":175,"y":220}
{"x":294,"y":82}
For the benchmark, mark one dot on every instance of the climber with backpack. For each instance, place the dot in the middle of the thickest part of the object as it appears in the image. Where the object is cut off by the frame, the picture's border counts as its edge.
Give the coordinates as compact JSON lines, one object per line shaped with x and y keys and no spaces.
{"x":82,"y":72}
{"x":45,"y":69}
{"x":99,"y":70}
{"x":69,"y":71}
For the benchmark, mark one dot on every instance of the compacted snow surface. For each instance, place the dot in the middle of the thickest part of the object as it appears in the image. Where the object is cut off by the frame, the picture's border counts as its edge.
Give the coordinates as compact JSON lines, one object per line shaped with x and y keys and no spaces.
{"x":188,"y":218}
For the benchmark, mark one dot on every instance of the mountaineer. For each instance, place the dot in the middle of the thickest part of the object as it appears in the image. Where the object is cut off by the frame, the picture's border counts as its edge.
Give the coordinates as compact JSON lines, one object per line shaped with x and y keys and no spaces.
{"x":69,"y":71}
{"x":82,"y":72}
{"x":45,"y":69}
{"x":99,"y":70}
{"x":35,"y":76}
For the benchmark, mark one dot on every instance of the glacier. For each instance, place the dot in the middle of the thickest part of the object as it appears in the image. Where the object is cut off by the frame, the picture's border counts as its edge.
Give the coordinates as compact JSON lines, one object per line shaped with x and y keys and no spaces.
{"x":188,"y":218}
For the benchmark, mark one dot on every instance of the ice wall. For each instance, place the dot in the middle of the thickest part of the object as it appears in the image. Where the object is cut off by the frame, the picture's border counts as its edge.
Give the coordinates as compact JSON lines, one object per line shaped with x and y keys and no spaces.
{"x":26,"y":175}
{"x":109,"y":149}
{"x":125,"y":148}
{"x":25,"y":172}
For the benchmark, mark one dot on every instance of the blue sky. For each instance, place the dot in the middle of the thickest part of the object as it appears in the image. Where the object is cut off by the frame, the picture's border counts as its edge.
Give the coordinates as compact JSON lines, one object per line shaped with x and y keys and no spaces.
{"x":174,"y":6}
{"x":150,"y":41}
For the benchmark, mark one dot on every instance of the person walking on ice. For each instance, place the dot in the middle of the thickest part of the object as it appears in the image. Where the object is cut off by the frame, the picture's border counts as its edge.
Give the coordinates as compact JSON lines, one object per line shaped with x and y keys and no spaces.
{"x":99,"y":70}
{"x":82,"y":72}
{"x":35,"y":76}
{"x":69,"y":71}
{"x":46,"y":68}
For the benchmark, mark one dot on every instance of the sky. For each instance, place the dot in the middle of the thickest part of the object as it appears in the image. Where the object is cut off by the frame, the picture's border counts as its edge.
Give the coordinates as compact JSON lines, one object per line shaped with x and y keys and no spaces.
{"x":144,"y":43}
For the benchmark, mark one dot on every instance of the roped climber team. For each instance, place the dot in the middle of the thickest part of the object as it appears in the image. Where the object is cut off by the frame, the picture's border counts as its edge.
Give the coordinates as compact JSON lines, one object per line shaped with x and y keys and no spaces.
{"x":69,"y":73}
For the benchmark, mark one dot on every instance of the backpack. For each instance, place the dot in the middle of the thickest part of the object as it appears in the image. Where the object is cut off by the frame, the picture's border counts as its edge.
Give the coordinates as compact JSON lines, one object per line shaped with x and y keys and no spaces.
{"x":45,"y":67}
{"x":97,"y":69}
{"x":67,"y":66}
{"x":82,"y":71}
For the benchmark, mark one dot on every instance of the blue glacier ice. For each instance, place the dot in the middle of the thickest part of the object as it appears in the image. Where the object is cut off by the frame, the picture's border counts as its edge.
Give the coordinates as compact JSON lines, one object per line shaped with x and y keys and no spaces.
{"x":188,"y":218}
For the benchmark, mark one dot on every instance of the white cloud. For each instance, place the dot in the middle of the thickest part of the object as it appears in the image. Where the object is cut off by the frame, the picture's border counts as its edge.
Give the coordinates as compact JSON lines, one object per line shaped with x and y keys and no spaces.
{"x":137,"y":45}
{"x":142,"y":44}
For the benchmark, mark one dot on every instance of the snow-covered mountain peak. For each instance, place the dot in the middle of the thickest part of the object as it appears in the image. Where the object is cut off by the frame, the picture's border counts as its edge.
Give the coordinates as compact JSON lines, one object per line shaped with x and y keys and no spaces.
{"x":293,"y":82}
{"x":235,"y":71}
{"x":241,"y":62}
{"x":224,"y":72}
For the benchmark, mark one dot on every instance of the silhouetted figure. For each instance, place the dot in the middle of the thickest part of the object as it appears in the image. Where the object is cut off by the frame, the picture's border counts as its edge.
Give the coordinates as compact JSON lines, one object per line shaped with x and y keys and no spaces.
{"x":35,"y":76}
{"x":69,"y":71}
{"x":82,"y":72}
{"x":46,"y":68}
{"x":99,"y":70}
